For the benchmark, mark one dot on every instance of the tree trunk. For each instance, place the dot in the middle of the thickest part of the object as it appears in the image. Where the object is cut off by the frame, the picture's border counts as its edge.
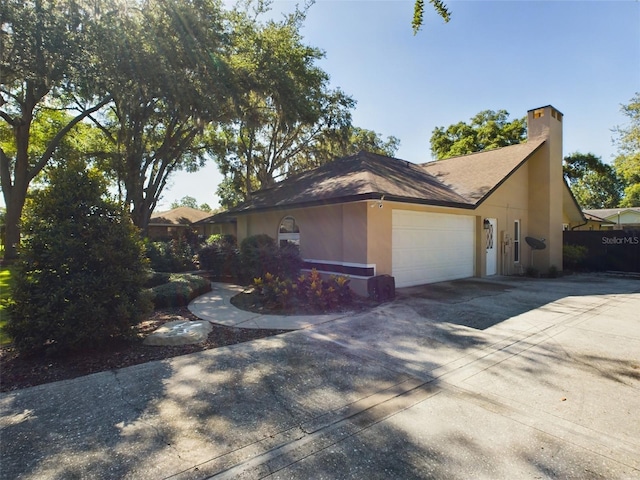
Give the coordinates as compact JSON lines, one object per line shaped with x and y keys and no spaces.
{"x":12,"y":226}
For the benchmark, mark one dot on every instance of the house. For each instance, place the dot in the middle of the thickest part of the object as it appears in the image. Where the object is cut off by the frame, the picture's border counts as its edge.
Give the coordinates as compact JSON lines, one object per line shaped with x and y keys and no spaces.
{"x":624,"y":218}
{"x":171,"y":223}
{"x":368,"y":215}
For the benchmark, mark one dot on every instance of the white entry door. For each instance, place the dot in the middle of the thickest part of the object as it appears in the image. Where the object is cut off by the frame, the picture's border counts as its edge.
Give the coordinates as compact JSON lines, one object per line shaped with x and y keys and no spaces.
{"x":492,"y":246}
{"x":431,"y":247}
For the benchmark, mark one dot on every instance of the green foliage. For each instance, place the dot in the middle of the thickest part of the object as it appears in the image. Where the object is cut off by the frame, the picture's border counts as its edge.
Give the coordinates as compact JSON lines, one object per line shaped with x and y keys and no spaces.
{"x":220,"y":257}
{"x":627,"y":163}
{"x":323,"y":294}
{"x":175,"y":255}
{"x":332,"y":145}
{"x":276,"y":292}
{"x":179,"y":290}
{"x":284,"y":104}
{"x":48,"y":49}
{"x":593,"y":183}
{"x":486,"y":131}
{"x":573,"y":255}
{"x":418,"y":13}
{"x":79,"y":280}
{"x":156,"y":278}
{"x":260,"y":255}
{"x":5,"y":300}
{"x":310,"y":290}
{"x":168,"y":95}
{"x":553,"y":272}
{"x":185,"y":201}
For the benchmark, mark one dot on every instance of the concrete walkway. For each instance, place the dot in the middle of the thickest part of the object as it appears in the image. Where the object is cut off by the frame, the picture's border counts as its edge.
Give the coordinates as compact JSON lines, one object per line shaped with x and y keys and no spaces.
{"x":216,"y":307}
{"x":486,"y":379}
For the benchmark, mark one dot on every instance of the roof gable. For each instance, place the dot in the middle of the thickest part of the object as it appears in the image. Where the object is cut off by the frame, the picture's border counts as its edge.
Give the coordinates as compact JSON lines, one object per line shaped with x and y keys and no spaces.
{"x":477,"y":175}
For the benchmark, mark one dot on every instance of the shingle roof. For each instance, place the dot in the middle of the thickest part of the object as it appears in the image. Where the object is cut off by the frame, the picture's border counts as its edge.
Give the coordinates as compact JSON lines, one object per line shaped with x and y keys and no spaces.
{"x":610,"y":212}
{"x":459,"y":181}
{"x":178,"y":216}
{"x":476,"y":175}
{"x":360,"y":176}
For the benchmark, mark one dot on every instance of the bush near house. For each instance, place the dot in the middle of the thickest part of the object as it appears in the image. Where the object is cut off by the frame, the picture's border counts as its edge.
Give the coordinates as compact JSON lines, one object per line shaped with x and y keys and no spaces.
{"x":220,"y":257}
{"x":259,"y":255}
{"x":179,"y":290}
{"x":175,"y":255}
{"x":309,"y":289}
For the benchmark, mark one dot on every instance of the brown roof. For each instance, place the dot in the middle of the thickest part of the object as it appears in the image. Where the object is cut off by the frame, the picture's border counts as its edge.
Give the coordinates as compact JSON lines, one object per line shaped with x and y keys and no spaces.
{"x":357,"y":177}
{"x":458,"y":182}
{"x":178,"y":216}
{"x":477,"y":175}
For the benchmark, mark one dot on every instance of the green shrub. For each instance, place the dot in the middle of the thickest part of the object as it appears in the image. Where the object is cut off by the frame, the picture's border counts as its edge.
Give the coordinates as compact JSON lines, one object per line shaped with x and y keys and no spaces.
{"x":156,"y":278}
{"x":310,"y":289}
{"x":179,"y":290}
{"x":220,"y":257}
{"x":222,"y":239}
{"x":79,"y":279}
{"x":275,"y":291}
{"x":553,"y":272}
{"x":574,"y":255}
{"x":323,"y":294}
{"x":259,"y":255}
{"x":176,"y":255}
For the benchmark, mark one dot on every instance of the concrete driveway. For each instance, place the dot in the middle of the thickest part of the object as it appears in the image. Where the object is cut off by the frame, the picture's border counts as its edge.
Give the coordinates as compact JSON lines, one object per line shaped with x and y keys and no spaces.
{"x":503,"y":378}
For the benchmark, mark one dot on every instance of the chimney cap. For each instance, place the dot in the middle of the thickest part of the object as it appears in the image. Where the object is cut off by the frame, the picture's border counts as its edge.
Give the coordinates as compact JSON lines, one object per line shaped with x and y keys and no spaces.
{"x":546,"y":106}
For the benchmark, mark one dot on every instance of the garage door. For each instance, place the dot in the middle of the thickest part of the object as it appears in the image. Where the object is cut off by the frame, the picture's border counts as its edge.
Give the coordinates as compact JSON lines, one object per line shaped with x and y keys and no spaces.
{"x":431,"y":247}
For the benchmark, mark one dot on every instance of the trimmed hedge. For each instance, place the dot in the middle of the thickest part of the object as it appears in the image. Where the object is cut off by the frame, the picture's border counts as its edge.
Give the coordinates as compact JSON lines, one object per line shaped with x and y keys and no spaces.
{"x":179,"y":290}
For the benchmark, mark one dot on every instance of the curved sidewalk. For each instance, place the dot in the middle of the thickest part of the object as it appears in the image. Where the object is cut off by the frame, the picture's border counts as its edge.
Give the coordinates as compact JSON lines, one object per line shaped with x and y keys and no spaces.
{"x":215,"y":306}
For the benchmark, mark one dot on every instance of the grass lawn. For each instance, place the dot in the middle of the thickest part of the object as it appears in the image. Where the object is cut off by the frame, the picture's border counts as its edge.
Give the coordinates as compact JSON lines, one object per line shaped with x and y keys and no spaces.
{"x":5,"y":279}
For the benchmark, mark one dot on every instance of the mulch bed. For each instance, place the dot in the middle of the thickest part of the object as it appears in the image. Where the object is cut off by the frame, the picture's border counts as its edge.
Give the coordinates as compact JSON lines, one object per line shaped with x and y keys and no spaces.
{"x":17,"y":371}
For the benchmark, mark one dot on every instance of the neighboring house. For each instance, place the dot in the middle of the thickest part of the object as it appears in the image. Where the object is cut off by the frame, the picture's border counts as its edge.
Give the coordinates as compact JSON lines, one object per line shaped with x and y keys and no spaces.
{"x":368,"y":214}
{"x":611,"y":219}
{"x":223,"y":223}
{"x":173,"y":222}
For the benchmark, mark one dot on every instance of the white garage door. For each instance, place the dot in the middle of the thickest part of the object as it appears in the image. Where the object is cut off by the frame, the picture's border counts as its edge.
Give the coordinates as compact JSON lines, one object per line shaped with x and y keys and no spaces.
{"x":431,"y":247}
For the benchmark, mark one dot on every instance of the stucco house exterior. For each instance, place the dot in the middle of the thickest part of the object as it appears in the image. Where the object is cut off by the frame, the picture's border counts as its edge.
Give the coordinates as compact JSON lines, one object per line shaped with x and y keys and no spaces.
{"x":368,"y":215}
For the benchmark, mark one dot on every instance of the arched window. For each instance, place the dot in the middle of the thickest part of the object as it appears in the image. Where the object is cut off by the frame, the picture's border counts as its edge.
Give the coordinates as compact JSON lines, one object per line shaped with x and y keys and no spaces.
{"x":289,"y":232}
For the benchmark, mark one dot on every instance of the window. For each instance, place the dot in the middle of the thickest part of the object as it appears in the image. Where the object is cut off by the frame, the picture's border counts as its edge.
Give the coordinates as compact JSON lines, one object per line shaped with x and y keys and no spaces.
{"x":289,"y":232}
{"x":516,"y":241}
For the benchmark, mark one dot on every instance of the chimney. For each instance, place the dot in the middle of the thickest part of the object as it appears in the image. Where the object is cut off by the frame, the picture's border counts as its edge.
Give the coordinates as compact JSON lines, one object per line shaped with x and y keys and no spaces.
{"x":546,"y":186}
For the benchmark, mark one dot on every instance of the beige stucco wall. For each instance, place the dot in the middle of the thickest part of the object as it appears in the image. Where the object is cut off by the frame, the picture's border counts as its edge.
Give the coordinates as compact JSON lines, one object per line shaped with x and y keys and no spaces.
{"x":510,"y":202}
{"x":546,"y":187}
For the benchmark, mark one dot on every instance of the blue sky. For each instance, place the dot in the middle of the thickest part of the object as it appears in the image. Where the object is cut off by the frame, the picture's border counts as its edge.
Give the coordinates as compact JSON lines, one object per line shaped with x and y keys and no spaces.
{"x":582,"y":57}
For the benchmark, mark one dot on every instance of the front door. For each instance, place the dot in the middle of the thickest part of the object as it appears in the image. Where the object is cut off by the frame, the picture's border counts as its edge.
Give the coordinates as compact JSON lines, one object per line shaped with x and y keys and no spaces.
{"x":492,"y":247}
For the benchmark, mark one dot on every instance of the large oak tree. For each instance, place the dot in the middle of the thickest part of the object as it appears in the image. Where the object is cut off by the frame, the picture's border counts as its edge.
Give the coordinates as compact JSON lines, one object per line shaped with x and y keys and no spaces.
{"x":168,"y":77}
{"x":284,"y":105}
{"x":485,"y":131}
{"x":45,"y":62}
